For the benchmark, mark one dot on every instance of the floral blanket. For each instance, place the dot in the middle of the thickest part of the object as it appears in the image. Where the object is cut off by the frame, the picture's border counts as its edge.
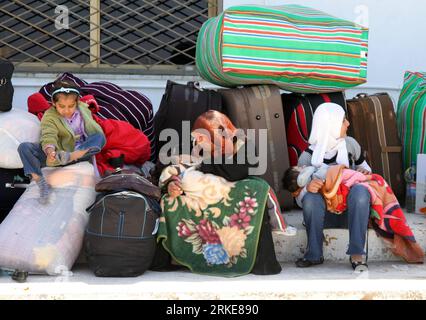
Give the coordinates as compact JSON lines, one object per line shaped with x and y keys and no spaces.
{"x":221,"y":236}
{"x":386,"y":213}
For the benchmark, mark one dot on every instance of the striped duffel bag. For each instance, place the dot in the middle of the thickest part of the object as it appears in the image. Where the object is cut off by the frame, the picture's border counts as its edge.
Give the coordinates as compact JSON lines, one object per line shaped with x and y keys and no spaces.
{"x":294,"y":47}
{"x":411,"y":115}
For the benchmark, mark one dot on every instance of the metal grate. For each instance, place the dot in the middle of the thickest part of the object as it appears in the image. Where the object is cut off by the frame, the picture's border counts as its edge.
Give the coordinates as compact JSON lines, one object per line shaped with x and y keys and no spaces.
{"x":135,"y":35}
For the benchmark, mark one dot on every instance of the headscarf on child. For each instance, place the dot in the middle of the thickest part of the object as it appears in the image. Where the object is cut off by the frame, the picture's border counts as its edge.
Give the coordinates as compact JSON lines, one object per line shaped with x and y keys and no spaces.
{"x":325,"y":138}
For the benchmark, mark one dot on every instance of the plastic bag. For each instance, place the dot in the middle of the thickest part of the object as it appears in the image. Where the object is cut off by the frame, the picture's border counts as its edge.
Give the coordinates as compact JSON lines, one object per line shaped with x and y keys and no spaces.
{"x":16,"y":126}
{"x":48,"y":238}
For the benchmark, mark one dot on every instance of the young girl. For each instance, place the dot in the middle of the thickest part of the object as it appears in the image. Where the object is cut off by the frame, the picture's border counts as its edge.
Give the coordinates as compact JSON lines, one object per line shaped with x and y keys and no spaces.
{"x":68,"y":134}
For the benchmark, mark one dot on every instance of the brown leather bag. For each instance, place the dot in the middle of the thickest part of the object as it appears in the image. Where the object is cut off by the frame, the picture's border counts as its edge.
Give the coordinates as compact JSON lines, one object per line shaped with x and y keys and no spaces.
{"x":373,"y":125}
{"x":128,"y":180}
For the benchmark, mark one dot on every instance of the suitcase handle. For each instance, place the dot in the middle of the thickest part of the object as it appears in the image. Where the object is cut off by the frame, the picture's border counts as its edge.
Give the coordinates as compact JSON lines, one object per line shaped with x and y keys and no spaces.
{"x":195,"y":85}
{"x":361,"y":95}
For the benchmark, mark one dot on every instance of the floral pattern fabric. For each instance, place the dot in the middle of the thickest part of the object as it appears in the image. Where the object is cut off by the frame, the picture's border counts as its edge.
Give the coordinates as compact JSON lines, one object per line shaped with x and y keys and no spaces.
{"x":223,"y":239}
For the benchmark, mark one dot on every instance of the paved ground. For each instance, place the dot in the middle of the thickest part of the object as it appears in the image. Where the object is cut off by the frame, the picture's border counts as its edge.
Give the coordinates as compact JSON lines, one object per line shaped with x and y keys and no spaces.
{"x":388,"y":277}
{"x":385,"y":280}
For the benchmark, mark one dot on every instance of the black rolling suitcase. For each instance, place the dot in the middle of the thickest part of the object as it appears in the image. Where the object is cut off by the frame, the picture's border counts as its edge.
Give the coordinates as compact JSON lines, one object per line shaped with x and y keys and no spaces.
{"x":182,"y":102}
{"x":6,"y":87}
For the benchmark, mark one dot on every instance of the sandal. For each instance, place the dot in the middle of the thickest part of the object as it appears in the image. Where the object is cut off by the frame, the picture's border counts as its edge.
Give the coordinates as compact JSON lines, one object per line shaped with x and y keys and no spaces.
{"x":358,"y":266}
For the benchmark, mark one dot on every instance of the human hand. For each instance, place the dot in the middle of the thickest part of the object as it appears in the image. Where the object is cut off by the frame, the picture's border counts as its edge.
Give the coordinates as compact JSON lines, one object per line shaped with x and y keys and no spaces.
{"x":174,"y":188}
{"x":50,"y":154}
{"x":363,"y":171}
{"x":314,"y":185}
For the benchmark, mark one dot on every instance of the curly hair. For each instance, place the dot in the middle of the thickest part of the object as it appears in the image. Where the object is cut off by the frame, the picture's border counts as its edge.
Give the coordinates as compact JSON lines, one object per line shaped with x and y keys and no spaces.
{"x":290,"y":179}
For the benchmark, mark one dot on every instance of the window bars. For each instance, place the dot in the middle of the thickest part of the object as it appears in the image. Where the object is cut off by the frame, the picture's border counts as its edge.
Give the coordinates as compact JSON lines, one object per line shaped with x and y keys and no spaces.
{"x":132,"y":36}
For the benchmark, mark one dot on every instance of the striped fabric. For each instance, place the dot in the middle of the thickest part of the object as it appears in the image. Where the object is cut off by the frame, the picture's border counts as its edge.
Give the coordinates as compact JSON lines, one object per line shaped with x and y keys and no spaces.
{"x":115,"y":103}
{"x":295,"y":47}
{"x":411,"y":116}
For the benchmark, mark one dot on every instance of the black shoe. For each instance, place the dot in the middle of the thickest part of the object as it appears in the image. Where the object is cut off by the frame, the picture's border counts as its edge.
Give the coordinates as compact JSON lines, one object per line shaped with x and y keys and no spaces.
{"x":20,"y":276}
{"x":305,"y":263}
{"x":358,"y":266}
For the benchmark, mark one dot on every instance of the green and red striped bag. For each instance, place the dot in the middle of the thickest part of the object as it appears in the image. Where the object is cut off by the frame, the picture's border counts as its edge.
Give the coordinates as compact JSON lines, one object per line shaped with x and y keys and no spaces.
{"x":411,"y":116}
{"x":294,"y":47}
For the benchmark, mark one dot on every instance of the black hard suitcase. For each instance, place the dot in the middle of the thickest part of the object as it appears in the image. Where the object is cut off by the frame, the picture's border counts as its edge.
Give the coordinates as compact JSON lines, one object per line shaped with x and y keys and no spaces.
{"x":182,"y":102}
{"x":6,"y":87}
{"x":260,"y":107}
{"x":12,"y":185}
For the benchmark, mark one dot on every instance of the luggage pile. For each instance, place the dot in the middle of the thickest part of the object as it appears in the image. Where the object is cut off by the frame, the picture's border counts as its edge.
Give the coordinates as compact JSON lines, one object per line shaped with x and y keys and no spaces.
{"x":316,"y":57}
{"x":294,"y":47}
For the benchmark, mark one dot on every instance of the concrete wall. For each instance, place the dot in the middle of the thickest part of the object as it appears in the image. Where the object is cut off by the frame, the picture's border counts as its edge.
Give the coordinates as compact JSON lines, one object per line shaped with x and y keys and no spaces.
{"x":396,"y":44}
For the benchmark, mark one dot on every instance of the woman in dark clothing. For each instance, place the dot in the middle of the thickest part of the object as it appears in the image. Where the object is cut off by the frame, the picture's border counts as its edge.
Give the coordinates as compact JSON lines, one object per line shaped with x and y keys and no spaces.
{"x":227,"y":156}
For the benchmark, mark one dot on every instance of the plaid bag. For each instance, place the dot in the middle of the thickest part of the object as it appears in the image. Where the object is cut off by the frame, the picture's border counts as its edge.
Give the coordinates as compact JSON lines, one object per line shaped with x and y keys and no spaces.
{"x":297,"y":48}
{"x":411,"y":115}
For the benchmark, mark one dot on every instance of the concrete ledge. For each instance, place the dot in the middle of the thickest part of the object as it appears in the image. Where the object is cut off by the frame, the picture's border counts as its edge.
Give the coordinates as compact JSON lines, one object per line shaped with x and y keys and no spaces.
{"x":290,"y":248}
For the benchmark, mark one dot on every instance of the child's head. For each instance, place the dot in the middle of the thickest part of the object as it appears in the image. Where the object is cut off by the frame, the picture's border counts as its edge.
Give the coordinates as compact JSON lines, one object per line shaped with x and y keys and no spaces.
{"x":214,"y":132}
{"x":290,"y":179}
{"x":65,"y":96}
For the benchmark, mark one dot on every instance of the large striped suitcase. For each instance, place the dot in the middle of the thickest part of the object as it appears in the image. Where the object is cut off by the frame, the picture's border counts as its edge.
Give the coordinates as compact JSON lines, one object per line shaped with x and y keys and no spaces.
{"x":260,"y":107}
{"x":294,"y":47}
{"x":373,"y":125}
{"x":411,"y":116}
{"x":298,"y":113}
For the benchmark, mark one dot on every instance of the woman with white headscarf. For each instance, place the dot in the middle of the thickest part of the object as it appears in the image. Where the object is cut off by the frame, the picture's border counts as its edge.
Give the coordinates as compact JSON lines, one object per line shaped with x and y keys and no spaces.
{"x":330,"y":145}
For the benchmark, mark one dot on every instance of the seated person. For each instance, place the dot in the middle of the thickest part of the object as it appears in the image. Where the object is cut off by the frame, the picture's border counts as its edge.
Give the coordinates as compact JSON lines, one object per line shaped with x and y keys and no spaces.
{"x":388,"y":217}
{"x":217,"y":143}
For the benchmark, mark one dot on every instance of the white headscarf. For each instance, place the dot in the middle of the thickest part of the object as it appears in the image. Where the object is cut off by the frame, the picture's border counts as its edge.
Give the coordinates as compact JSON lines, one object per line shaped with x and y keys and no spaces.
{"x":325,"y":138}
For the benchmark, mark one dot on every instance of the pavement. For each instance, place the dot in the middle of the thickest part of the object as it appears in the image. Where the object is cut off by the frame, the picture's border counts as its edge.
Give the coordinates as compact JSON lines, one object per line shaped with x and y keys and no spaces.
{"x":384,"y":280}
{"x":387,"y":278}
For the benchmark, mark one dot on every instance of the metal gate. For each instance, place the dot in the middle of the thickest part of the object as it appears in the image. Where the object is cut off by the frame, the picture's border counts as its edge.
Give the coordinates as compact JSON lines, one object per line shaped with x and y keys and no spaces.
{"x":131,"y":36}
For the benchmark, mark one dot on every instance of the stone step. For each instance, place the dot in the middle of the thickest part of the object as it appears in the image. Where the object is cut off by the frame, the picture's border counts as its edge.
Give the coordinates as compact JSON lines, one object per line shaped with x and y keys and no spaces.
{"x":290,"y":248}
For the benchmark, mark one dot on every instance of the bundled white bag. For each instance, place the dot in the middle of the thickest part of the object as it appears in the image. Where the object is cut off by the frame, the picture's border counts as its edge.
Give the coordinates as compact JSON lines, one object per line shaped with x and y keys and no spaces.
{"x":16,"y":126}
{"x":48,"y":238}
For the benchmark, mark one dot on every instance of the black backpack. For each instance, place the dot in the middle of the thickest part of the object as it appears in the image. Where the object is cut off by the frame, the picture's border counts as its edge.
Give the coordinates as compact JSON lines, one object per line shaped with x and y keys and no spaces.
{"x":6,"y":87}
{"x":120,"y":237}
{"x":182,"y":102}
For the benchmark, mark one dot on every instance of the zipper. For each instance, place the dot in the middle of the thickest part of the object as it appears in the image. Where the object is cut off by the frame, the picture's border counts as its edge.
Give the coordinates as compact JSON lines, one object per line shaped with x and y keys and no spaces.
{"x":122,"y":193}
{"x":123,"y":175}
